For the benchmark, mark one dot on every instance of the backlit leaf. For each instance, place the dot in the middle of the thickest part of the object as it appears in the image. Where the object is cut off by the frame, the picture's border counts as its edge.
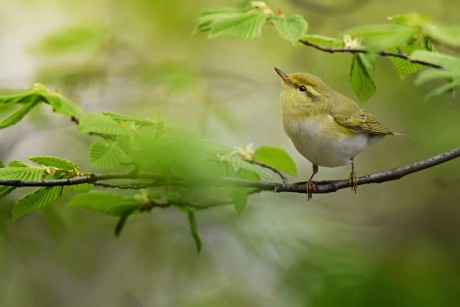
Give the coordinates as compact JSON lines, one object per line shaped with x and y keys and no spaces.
{"x":360,"y":79}
{"x":277,"y":158}
{"x":36,"y":200}
{"x":104,"y":155}
{"x":291,"y":28}
{"x":242,"y":26}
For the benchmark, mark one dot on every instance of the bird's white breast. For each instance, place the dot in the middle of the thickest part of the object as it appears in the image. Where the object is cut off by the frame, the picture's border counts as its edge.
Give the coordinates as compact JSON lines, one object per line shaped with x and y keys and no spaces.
{"x":317,"y":139}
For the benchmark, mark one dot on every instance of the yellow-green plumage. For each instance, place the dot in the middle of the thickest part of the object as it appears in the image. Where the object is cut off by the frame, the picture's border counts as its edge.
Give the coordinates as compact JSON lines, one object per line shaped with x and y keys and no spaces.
{"x":326,"y":127}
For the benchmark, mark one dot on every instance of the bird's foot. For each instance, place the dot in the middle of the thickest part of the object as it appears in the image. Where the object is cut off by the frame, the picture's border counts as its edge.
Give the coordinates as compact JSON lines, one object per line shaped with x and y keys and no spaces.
{"x":353,"y":181}
{"x":310,"y":189}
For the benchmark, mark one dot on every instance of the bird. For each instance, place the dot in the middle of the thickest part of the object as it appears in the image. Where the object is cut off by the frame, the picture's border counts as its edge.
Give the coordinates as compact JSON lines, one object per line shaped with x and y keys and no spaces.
{"x":326,"y":127}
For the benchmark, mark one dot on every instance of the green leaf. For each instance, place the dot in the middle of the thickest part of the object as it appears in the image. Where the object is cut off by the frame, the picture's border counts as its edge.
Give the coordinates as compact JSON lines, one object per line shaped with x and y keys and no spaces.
{"x":405,"y":67}
{"x":107,"y":203}
{"x":433,"y":74}
{"x":277,"y":158}
{"x":122,"y":118}
{"x":411,"y":19}
{"x":50,"y":161}
{"x":21,"y":173}
{"x":194,"y":229}
{"x":385,"y":36}
{"x":443,"y":89}
{"x":62,"y":105}
{"x":17,"y":113}
{"x":238,"y":164}
{"x":446,"y":35}
{"x":71,"y":39}
{"x":105,"y":155}
{"x":360,"y":79}
{"x":437,"y":58}
{"x":239,"y":198}
{"x":291,"y":28}
{"x":208,"y":17}
{"x":5,"y":190}
{"x":36,"y":200}
{"x":324,"y":41}
{"x":242,"y":26}
{"x":81,"y":188}
{"x":17,"y":163}
{"x":101,"y":124}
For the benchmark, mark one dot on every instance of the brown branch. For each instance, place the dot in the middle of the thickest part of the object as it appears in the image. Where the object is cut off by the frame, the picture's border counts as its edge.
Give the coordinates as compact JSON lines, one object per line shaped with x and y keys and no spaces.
{"x":382,"y":53}
{"x":299,"y":187}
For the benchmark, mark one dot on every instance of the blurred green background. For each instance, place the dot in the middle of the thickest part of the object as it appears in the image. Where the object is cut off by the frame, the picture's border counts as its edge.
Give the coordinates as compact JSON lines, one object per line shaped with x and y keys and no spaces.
{"x":393,"y":244}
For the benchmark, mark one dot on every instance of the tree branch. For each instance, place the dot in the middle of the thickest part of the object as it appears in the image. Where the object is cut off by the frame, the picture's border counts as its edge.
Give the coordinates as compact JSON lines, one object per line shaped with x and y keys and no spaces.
{"x":299,"y":187}
{"x":381,"y":53}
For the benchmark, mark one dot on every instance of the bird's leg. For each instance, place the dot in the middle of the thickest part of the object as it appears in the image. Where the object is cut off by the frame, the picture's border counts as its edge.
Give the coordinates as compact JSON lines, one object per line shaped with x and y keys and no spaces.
{"x":353,"y":180}
{"x":310,"y":185}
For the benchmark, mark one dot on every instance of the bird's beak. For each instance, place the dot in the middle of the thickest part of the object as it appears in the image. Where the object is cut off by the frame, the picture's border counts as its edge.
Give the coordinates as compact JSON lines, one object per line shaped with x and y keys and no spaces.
{"x":283,"y":76}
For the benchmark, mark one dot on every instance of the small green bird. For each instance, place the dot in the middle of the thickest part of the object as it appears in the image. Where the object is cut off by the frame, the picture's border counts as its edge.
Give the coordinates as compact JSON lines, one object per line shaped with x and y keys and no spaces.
{"x":326,"y":127}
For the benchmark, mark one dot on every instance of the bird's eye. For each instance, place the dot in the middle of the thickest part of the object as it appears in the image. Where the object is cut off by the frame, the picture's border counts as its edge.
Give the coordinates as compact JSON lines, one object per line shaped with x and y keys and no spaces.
{"x":302,"y":89}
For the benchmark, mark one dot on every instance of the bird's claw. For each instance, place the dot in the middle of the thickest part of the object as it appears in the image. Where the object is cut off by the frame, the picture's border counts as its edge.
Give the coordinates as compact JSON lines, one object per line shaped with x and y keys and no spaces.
{"x":310,"y":189}
{"x":353,"y":181}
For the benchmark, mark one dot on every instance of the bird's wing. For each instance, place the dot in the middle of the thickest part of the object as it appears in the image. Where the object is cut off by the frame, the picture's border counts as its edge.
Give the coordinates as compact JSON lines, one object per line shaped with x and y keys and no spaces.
{"x":361,"y":122}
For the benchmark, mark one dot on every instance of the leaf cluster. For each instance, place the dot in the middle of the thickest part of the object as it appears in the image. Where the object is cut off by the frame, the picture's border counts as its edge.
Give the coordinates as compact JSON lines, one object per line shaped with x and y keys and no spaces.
{"x":408,"y":39}
{"x":145,"y":155}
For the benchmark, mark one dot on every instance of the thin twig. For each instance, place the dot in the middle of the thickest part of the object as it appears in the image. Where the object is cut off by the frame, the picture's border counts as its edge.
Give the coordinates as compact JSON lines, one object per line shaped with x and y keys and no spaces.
{"x":381,"y":53}
{"x":282,"y":176}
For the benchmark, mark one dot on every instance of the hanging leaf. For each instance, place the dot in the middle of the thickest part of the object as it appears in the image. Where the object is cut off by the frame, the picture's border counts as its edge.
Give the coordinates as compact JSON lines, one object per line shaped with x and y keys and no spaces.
{"x":291,"y":28}
{"x":17,"y":112}
{"x":107,"y":203}
{"x":194,"y":229}
{"x":36,"y":200}
{"x":239,"y":198}
{"x":360,"y":79}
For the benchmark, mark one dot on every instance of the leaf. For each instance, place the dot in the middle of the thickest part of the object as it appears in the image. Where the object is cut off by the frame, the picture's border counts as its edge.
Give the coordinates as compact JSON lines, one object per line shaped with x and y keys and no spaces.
{"x":242,"y":26}
{"x":360,"y":79}
{"x":50,"y":161}
{"x":437,"y":58}
{"x":5,"y":190}
{"x":101,"y":124}
{"x":385,"y":36}
{"x":446,"y":35}
{"x":122,"y":118}
{"x":107,"y":203}
{"x":291,"y":28}
{"x":239,"y":164}
{"x":71,"y":39}
{"x":324,"y":41}
{"x":105,"y":155}
{"x":208,"y":17}
{"x":36,"y":200}
{"x":433,"y":74}
{"x":448,"y":87}
{"x":61,"y":105}
{"x":405,"y":67}
{"x":277,"y":158}
{"x":194,"y":229}
{"x":16,"y":115}
{"x":239,"y":198}
{"x":81,"y":188}
{"x":411,"y":19}
{"x":21,"y":173}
